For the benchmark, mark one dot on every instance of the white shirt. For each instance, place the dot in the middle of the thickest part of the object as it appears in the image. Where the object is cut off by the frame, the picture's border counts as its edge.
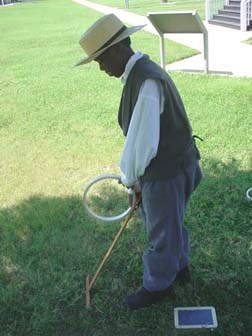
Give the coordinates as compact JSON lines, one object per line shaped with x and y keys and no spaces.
{"x":142,"y":139}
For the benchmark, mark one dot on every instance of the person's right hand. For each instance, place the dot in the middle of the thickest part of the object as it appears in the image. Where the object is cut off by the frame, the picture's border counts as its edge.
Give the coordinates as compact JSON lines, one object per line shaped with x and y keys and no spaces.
{"x":131,"y":197}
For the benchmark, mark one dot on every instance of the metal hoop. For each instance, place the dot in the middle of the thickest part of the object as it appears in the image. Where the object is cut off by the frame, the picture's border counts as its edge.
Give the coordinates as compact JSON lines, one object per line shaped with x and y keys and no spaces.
{"x":249,"y":194}
{"x":104,"y":218}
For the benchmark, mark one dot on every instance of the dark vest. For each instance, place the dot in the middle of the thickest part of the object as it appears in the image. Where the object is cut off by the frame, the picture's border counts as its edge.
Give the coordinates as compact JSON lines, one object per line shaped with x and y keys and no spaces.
{"x":176,"y":149}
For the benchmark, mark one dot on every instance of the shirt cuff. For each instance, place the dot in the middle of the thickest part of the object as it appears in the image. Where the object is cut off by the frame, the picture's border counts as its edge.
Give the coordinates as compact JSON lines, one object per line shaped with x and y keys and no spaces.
{"x":134,"y":185}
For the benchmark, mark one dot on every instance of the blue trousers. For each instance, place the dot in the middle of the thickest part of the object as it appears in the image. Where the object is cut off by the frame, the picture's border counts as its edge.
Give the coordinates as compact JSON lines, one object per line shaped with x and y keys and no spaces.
{"x":163,"y":209}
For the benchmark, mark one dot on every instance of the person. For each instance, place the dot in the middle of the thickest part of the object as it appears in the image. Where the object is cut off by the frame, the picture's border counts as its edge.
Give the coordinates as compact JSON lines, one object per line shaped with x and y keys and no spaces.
{"x":160,"y":160}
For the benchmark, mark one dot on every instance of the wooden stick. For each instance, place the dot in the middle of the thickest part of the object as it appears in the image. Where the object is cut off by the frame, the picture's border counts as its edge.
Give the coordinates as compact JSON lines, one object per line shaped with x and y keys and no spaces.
{"x":109,"y":252}
{"x":89,"y":283}
{"x":88,"y":290}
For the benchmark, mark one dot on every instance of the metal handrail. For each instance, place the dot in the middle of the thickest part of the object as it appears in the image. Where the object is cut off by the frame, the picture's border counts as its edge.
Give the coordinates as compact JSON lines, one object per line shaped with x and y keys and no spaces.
{"x":246,"y":14}
{"x":212,"y":7}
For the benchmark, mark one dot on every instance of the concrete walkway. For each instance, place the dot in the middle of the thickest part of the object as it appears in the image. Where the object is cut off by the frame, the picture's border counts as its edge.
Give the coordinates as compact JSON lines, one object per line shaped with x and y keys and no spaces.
{"x":228,"y":54}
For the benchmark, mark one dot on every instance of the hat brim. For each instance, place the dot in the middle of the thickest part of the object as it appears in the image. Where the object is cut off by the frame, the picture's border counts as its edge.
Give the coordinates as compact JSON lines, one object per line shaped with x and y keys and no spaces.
{"x":127,"y":32}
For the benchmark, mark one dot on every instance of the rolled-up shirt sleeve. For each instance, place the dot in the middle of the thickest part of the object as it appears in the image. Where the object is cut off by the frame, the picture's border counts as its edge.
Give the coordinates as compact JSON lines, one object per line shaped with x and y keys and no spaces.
{"x":142,"y":139}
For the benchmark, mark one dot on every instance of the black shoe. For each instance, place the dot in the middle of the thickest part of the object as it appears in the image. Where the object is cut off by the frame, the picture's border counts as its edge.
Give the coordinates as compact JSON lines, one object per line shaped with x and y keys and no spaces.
{"x":143,"y":297}
{"x":184,"y":276}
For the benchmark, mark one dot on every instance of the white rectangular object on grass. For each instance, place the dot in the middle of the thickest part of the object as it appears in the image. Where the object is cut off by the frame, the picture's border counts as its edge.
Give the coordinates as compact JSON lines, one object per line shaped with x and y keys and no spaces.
{"x":195,"y":317}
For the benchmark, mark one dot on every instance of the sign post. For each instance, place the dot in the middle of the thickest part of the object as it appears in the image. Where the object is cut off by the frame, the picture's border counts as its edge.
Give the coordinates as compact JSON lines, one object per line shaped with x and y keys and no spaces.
{"x":177,"y":23}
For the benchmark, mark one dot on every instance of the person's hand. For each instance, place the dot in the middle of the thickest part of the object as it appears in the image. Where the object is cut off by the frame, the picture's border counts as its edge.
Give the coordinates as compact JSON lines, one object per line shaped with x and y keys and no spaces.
{"x":135,"y":189}
{"x":131,"y":197}
{"x":120,"y":181}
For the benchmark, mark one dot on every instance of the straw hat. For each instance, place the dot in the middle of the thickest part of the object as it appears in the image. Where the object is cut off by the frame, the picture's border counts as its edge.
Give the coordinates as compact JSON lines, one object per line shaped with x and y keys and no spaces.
{"x":104,"y":33}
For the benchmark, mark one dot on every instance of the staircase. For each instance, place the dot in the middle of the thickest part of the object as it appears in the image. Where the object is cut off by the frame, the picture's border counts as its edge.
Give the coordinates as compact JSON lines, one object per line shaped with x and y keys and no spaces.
{"x":229,"y":16}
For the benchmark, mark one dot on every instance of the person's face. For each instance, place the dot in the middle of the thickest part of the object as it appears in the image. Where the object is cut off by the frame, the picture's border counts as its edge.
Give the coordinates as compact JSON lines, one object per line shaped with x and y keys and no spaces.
{"x":111,"y":62}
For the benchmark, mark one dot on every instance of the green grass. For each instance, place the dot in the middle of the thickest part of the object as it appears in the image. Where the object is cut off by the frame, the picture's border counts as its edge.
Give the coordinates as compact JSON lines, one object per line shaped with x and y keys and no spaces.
{"x":144,"y":6}
{"x":58,"y":129}
{"x":248,"y":41}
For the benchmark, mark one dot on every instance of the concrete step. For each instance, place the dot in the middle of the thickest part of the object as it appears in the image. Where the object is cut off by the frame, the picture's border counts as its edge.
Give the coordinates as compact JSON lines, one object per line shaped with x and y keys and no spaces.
{"x":227,"y":12}
{"x":225,"y":24}
{"x":232,"y":8}
{"x":234,"y":3}
{"x":228,"y":19}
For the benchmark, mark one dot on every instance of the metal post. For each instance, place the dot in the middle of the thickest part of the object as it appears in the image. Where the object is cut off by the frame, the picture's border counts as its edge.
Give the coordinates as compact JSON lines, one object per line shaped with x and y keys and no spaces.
{"x":162,"y":51}
{"x":208,"y":10}
{"x":205,"y":37}
{"x":243,"y":10}
{"x":127,"y":4}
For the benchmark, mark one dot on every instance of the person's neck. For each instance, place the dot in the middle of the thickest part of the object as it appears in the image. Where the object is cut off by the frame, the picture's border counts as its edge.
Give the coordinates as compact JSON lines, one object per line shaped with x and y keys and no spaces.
{"x":127,"y":55}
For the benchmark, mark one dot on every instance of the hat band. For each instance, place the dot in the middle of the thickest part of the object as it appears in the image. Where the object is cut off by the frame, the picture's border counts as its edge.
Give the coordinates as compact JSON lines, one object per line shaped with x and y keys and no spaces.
{"x":112,"y":38}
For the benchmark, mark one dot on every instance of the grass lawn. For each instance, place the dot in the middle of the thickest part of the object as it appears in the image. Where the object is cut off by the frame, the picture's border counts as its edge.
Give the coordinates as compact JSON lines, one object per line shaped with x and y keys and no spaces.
{"x":58,"y":129}
{"x":249,"y":41}
{"x":144,"y":6}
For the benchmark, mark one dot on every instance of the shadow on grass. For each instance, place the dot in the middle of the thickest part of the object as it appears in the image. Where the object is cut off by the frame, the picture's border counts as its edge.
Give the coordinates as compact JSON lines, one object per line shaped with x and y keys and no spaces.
{"x":48,"y":244}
